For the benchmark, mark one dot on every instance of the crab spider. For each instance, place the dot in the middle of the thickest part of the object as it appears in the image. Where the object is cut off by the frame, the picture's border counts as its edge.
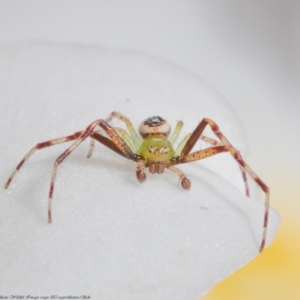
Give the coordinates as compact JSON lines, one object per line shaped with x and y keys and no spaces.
{"x":152,"y":148}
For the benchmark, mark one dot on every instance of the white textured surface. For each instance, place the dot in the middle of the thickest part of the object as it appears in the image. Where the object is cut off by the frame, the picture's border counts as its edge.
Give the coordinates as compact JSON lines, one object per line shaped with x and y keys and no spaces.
{"x":111,"y":237}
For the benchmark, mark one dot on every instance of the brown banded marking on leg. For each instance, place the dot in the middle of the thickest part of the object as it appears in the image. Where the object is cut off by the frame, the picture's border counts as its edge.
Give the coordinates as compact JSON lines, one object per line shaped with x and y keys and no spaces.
{"x":117,"y":140}
{"x":92,"y":144}
{"x":109,"y":144}
{"x":236,"y":155}
{"x":121,"y":132}
{"x":79,"y":140}
{"x":100,"y":131}
{"x":185,"y":182}
{"x":242,"y":163}
{"x":266,"y":221}
{"x":136,"y":139}
{"x":116,"y":143}
{"x":41,"y":146}
{"x":53,"y":176}
{"x":214,"y":142}
{"x":201,"y":154}
{"x":244,"y":175}
{"x":266,"y":189}
{"x":263,"y":186}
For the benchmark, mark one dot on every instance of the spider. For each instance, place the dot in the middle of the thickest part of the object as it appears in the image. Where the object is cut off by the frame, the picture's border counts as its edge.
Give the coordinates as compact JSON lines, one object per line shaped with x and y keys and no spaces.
{"x":152,"y":149}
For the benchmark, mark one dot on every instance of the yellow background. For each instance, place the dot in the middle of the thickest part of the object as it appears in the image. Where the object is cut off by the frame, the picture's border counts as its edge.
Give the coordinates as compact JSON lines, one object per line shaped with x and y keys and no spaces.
{"x":275,"y":273}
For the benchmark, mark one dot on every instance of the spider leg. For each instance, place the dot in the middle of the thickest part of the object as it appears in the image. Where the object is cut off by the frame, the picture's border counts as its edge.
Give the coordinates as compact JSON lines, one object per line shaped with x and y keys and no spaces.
{"x":176,"y":132}
{"x":115,"y":143}
{"x":213,"y":143}
{"x":185,"y":182}
{"x":210,"y":140}
{"x":92,"y":144}
{"x":202,"y":137}
{"x":41,"y":146}
{"x":132,"y":132}
{"x":203,"y":154}
{"x":123,"y":134}
{"x":244,"y":175}
{"x":236,"y":155}
{"x":133,"y":140}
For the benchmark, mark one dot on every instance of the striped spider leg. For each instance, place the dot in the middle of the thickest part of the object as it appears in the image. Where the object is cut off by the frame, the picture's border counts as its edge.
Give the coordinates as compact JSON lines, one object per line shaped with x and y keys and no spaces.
{"x":133,"y":140}
{"x":115,"y":143}
{"x":213,"y":142}
{"x":186,"y":156}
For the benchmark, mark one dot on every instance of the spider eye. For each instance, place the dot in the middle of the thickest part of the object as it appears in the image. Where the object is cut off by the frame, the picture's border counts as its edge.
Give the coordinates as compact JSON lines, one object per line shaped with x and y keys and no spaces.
{"x":154,"y":125}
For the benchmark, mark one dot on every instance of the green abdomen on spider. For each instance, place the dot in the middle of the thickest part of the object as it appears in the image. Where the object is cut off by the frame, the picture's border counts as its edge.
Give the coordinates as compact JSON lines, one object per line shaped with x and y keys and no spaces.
{"x":156,"y":149}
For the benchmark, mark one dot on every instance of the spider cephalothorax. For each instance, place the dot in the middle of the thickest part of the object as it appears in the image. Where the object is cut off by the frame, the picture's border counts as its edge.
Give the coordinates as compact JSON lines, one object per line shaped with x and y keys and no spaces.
{"x":155,"y":151}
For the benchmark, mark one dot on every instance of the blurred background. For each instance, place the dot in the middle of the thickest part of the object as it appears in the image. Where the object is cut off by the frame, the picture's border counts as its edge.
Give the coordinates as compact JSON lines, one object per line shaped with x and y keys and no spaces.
{"x":249,"y":51}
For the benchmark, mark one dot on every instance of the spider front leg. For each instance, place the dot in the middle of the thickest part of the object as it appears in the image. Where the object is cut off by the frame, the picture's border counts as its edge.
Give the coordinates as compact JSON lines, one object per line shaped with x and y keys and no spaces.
{"x":92,"y":143}
{"x":133,"y":139}
{"x":122,"y":133}
{"x":213,"y":143}
{"x":185,"y":182}
{"x":115,"y":143}
{"x":136,"y":139}
{"x":236,"y":155}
